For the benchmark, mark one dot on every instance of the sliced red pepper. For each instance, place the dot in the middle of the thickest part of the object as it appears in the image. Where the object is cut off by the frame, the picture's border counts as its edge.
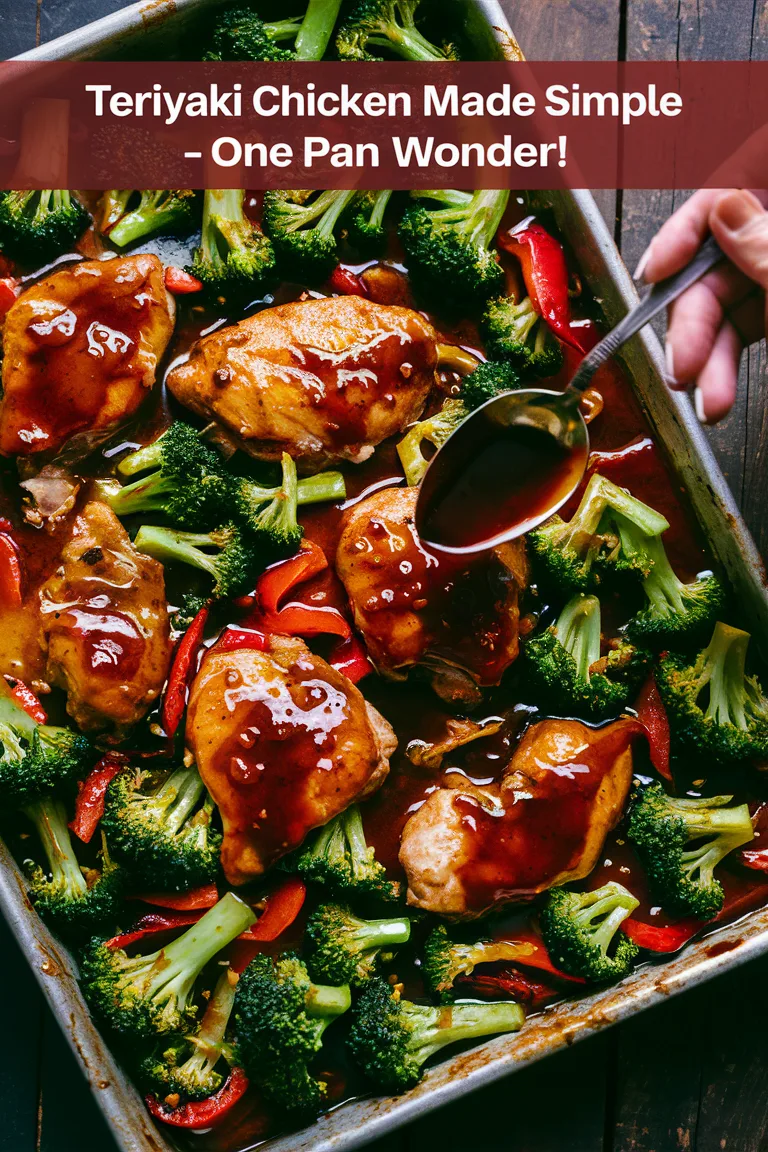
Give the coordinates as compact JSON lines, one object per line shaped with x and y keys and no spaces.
{"x":281,"y":909}
{"x":89,"y":806}
{"x":653,"y":716}
{"x":349,"y":656}
{"x":517,"y":985}
{"x":297,"y":619}
{"x":233,"y":638}
{"x":203,"y":897}
{"x":347,"y":283}
{"x":661,"y":938}
{"x":9,"y":291}
{"x":181,"y":283}
{"x":545,"y":273}
{"x":274,"y":584}
{"x":182,"y":668}
{"x":202,"y":1113}
{"x":26,"y":698}
{"x":11,"y":572}
{"x":153,"y":923}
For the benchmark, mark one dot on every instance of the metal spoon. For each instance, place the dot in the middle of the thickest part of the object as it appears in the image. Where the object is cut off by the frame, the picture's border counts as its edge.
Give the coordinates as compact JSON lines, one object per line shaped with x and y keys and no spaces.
{"x":528,"y":425}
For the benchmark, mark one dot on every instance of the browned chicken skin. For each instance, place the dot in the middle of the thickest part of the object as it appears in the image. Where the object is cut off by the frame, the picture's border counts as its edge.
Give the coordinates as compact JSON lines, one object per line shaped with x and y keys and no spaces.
{"x":105,"y":623}
{"x":81,"y":350}
{"x":470,"y":848}
{"x":321,"y":379}
{"x":460,"y":618}
{"x":284,"y":743}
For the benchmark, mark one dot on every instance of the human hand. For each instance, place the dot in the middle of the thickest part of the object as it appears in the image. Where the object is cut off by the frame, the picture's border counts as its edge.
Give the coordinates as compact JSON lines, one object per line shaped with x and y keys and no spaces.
{"x":724,"y":312}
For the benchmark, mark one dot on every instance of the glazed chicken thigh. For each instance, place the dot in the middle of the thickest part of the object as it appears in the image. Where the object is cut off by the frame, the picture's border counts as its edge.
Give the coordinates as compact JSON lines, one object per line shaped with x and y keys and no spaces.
{"x":80,"y":352}
{"x":469,"y":848}
{"x":458,"y":618}
{"x":322,"y":379}
{"x":105,"y":624}
{"x":284,"y":743}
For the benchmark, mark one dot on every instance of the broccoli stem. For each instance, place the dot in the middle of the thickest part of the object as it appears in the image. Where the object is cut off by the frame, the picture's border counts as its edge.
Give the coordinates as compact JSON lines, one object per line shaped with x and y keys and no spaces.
{"x":328,"y":206}
{"x":209,"y":1041}
{"x":578,"y":630}
{"x":662,"y":586}
{"x":183,"y":789}
{"x":282,"y":29}
{"x":379,"y":933}
{"x":148,"y":217}
{"x":172,"y":547}
{"x":600,"y":495}
{"x":147,"y":494}
{"x":723,"y":669}
{"x":50,"y":819}
{"x":603,"y":917}
{"x":316,"y":29}
{"x":143,"y":459}
{"x":355,"y":834}
{"x":220,"y":204}
{"x":15,"y":723}
{"x":113,"y":206}
{"x":485,"y":213}
{"x":324,"y":1001}
{"x":452,"y":358}
{"x":463,"y":1022}
{"x":324,"y":486}
{"x":451,"y":196}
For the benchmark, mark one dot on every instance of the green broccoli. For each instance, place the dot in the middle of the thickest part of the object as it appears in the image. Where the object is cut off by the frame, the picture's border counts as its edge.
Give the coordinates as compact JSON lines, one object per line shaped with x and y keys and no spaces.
{"x":364,"y":218}
{"x":280,"y":1019}
{"x":36,"y":758}
{"x":338,"y":857}
{"x":391,"y":25}
{"x":195,"y":1068}
{"x":448,"y":249}
{"x":302,"y":227}
{"x":576,"y":556}
{"x":566,"y":667}
{"x":486,"y":381}
{"x":140,"y":997}
{"x":185,"y":480}
{"x":273,"y":522}
{"x":681,"y":842}
{"x":447,"y":955}
{"x":256,"y":504}
{"x":162,"y":835}
{"x":343,"y":949}
{"x":582,"y":932}
{"x":234,"y":258}
{"x":239,"y":34}
{"x":676,"y":613}
{"x":170,"y":212}
{"x":514,"y":331}
{"x":78,"y":901}
{"x":113,"y":206}
{"x":391,"y":1038}
{"x":37,"y":226}
{"x":232,"y":565}
{"x":715,"y":710}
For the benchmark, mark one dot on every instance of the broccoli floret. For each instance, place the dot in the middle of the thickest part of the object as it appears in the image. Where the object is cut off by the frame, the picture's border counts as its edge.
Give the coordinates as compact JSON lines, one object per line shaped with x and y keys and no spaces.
{"x":187,"y":610}
{"x":681,"y":842}
{"x":582,"y":932}
{"x":37,"y":226}
{"x":302,"y":227}
{"x":144,"y":996}
{"x":254,"y":498}
{"x":392,"y":1038}
{"x":185,"y":480}
{"x":339,"y":857}
{"x":239,"y":34}
{"x":171,"y":212}
{"x":280,"y":1018}
{"x":162,"y":835}
{"x":488,"y":380}
{"x":273,"y":520}
{"x":364,"y":219}
{"x":448,"y":249}
{"x":235,"y":258}
{"x":715,"y":709}
{"x":36,"y":758}
{"x":447,"y":957}
{"x":343,"y":949}
{"x":192,"y":1068}
{"x":575,"y":556}
{"x":677,"y":613}
{"x":566,"y":667}
{"x":113,"y":205}
{"x":231,"y":566}
{"x":514,"y":331}
{"x":391,"y":25}
{"x":78,"y":901}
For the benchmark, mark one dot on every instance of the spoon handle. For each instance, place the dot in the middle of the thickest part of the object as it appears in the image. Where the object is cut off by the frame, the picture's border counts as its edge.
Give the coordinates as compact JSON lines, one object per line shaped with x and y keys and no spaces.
{"x":654,"y":301}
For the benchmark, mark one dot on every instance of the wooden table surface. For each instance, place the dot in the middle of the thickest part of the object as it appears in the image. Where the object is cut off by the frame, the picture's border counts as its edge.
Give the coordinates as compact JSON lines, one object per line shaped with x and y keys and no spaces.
{"x":689,"y":1076}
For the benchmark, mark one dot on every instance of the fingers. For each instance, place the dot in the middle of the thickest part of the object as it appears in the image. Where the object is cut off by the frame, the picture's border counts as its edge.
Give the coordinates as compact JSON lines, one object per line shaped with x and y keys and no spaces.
{"x":739,"y":223}
{"x":716,"y":384}
{"x":695,"y":320}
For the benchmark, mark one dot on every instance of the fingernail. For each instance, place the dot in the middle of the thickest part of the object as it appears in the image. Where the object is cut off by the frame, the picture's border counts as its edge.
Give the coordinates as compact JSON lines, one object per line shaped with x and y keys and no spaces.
{"x":642,"y":263}
{"x":670,"y":366}
{"x":736,"y":209}
{"x":698,"y":406}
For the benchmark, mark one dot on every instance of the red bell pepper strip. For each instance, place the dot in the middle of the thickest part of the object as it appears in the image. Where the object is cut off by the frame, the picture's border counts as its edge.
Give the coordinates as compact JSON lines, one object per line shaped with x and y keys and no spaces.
{"x":281,"y":909}
{"x":11,"y":572}
{"x":203,"y":897}
{"x":26,"y":698}
{"x":349,"y":656}
{"x":182,"y":668}
{"x":202,"y":1113}
{"x":274,"y":584}
{"x":653,"y":716}
{"x":89,"y":806}
{"x":181,"y":283}
{"x":662,"y":938}
{"x":9,"y":290}
{"x":153,"y":923}
{"x":347,"y":283}
{"x":233,"y":638}
{"x":517,"y":985}
{"x":297,"y":619}
{"x":545,"y":273}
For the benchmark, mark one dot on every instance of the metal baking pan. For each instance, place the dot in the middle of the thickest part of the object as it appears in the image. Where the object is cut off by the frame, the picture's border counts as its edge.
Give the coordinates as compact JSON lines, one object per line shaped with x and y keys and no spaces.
{"x":152,"y":28}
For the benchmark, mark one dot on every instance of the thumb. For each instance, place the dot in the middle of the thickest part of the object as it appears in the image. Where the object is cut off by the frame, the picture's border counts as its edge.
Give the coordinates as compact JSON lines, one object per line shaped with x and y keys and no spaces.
{"x":739,"y":223}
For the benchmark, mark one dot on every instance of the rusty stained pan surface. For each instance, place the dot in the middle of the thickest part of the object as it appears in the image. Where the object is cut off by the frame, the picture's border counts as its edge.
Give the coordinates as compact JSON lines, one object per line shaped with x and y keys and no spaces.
{"x":157,"y":25}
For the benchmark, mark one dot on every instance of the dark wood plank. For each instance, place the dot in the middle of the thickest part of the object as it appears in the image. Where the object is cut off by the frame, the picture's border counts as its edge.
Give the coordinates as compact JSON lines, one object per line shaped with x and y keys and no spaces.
{"x":22,"y":1022}
{"x":69,"y":1118}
